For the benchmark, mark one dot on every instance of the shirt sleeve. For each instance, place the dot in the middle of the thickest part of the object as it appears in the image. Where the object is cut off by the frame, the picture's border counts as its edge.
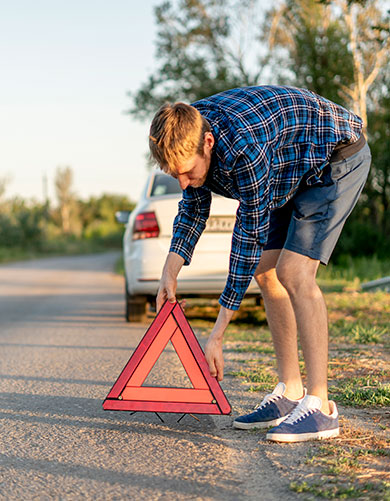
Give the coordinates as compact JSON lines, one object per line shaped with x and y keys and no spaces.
{"x":194,"y":210}
{"x":254,"y":181}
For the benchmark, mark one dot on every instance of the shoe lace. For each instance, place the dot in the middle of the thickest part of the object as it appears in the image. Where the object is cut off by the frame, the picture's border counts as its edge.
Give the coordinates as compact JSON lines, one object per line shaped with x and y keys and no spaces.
{"x":267,"y":400}
{"x":298,"y":414}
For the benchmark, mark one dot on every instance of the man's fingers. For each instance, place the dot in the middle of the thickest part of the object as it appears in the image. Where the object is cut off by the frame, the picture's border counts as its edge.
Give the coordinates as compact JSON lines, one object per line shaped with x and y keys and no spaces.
{"x":219,"y":371}
{"x":159,"y":301}
{"x":213,"y":369}
{"x":162,"y":297}
{"x":216,"y":369}
{"x":171,"y":296}
{"x":214,"y":358}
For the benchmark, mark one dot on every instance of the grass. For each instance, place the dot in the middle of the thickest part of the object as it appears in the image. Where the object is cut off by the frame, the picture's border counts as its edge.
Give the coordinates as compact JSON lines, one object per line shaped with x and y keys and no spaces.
{"x":264,"y":379}
{"x":319,"y":490}
{"x":362,"y":392}
{"x":238,"y":332}
{"x":351,"y":272}
{"x":357,"y":332}
{"x":252,"y":348}
{"x":354,"y":466}
{"x":339,"y":492}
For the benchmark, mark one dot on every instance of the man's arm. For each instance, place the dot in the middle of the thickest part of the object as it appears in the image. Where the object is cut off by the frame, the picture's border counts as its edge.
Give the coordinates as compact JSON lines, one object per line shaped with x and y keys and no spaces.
{"x":213,"y":349}
{"x":168,"y":282}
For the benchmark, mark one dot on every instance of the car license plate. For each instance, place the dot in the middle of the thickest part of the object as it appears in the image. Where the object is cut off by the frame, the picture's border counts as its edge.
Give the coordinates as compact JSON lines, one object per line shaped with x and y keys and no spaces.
{"x":220,"y":224}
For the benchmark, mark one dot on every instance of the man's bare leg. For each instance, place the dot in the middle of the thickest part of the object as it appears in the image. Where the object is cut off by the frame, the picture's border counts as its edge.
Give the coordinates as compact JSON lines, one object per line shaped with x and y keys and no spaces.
{"x":282,"y":323}
{"x":297,"y":273}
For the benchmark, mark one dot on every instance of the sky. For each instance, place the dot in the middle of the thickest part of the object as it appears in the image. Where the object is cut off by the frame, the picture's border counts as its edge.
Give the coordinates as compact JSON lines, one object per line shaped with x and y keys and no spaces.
{"x":66,"y":68}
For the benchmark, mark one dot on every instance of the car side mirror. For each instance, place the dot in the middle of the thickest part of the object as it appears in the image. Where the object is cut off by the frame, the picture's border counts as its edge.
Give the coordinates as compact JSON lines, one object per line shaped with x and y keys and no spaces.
{"x":122,"y":216}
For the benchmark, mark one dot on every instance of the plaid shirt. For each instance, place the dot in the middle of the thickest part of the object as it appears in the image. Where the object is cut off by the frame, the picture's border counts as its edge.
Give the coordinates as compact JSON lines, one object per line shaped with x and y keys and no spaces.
{"x":266,"y":140}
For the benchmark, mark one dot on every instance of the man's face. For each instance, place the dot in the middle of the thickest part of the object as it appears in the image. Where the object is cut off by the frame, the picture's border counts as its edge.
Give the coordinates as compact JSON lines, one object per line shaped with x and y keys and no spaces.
{"x":194,"y":171}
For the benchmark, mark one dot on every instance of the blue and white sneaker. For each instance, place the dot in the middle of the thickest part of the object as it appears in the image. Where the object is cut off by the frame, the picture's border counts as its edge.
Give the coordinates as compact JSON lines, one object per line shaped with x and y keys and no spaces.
{"x":307,"y":422}
{"x":273,"y":409}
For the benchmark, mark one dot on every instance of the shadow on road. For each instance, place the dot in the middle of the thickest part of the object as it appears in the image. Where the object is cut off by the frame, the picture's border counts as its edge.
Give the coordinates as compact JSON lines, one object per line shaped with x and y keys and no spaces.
{"x":88,"y":413}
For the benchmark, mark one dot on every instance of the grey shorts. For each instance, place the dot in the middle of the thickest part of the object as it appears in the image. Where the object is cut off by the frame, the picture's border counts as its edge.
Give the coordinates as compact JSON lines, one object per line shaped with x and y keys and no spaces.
{"x":311,"y":222}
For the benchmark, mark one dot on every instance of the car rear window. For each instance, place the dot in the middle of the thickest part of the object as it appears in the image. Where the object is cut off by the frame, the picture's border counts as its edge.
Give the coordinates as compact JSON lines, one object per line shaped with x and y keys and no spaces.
{"x":165,"y":185}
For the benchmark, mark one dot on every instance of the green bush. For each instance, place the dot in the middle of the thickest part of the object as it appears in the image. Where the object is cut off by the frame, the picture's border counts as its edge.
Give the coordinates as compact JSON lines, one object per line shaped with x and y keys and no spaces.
{"x":360,"y":238}
{"x":350,"y":268}
{"x":21,"y":225}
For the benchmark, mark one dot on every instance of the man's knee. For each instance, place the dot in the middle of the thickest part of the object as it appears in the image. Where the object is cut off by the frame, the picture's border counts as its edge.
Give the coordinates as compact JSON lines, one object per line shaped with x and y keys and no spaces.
{"x":287,"y":277}
{"x":265,"y":274}
{"x":266,"y":280}
{"x":297,"y":273}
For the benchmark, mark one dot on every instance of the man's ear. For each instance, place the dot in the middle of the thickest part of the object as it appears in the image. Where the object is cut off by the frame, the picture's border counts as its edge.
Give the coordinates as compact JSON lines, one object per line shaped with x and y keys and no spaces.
{"x":208,"y":142}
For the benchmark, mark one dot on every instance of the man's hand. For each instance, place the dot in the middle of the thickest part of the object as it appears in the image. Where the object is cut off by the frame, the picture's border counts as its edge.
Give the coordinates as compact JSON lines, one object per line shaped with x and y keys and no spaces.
{"x":166,"y":290}
{"x":213,"y":349}
{"x":214,"y":357}
{"x":168,"y":282}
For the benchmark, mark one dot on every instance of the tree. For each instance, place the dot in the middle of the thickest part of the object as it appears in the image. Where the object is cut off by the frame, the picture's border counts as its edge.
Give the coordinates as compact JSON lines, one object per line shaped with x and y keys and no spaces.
{"x":368,"y":31}
{"x":309,"y":47}
{"x":203,"y":47}
{"x":378,"y":198}
{"x":3,"y":186}
{"x":338,"y":48}
{"x":97,"y":210}
{"x":341,"y":50}
{"x":21,"y":224}
{"x":63,"y":186}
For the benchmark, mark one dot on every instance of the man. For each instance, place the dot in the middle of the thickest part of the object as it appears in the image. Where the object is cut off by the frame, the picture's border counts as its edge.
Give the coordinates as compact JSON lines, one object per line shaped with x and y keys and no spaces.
{"x":297,"y":163}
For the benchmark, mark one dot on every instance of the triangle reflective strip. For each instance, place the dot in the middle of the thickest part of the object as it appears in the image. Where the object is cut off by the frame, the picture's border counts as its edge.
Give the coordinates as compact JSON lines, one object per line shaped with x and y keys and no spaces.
{"x":156,"y":394}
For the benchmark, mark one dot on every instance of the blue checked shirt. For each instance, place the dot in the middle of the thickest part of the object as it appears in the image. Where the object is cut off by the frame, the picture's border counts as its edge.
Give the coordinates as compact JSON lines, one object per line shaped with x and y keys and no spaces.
{"x":266,"y":139}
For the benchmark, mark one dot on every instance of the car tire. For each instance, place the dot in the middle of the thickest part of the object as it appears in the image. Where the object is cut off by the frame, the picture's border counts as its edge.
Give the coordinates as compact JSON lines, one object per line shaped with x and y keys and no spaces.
{"x":135,"y":307}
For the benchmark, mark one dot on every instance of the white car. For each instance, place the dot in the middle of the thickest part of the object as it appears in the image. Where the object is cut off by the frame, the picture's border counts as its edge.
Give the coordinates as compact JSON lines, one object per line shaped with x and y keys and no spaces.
{"x":147,"y":239}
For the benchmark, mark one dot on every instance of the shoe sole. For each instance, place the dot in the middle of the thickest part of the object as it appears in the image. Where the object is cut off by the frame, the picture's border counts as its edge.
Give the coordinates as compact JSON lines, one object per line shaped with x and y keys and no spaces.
{"x":259,"y":424}
{"x":302,"y":437}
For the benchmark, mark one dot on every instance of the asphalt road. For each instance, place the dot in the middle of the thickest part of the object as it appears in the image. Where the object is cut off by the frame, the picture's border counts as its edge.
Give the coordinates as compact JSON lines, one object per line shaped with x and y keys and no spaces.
{"x":63,"y":342}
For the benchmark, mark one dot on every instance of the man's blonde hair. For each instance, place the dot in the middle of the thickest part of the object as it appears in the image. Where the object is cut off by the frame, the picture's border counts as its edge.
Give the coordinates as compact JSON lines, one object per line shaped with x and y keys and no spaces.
{"x":176,"y":134}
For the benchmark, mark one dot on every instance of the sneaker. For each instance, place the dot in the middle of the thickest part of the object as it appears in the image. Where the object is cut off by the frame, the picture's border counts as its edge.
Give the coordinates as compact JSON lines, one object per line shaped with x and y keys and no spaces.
{"x":273,"y":409}
{"x":307,"y":422}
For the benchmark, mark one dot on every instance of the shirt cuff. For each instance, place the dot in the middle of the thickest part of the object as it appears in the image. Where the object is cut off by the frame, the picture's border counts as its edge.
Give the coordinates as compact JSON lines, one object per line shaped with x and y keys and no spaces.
{"x":181,"y":247}
{"x":230,"y":299}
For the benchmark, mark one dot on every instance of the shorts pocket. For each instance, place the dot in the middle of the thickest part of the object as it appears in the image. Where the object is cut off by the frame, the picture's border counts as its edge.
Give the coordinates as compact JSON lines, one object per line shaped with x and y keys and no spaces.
{"x":340,"y":169}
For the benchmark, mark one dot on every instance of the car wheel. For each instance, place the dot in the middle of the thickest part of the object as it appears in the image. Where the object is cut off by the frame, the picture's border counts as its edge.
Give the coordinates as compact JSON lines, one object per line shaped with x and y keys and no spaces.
{"x":135,"y":307}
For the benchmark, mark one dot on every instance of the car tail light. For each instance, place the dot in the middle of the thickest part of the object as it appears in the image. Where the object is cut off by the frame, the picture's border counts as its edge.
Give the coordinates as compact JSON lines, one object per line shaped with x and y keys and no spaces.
{"x":145,"y":226}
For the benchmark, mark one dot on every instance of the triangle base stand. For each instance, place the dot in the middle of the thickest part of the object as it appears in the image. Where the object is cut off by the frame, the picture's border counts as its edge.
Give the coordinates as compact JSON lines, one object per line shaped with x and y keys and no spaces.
{"x":178,"y":421}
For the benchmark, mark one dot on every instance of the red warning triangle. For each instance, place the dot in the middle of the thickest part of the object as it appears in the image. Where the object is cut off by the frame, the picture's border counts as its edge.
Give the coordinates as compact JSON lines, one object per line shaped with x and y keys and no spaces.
{"x":206,"y":396}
